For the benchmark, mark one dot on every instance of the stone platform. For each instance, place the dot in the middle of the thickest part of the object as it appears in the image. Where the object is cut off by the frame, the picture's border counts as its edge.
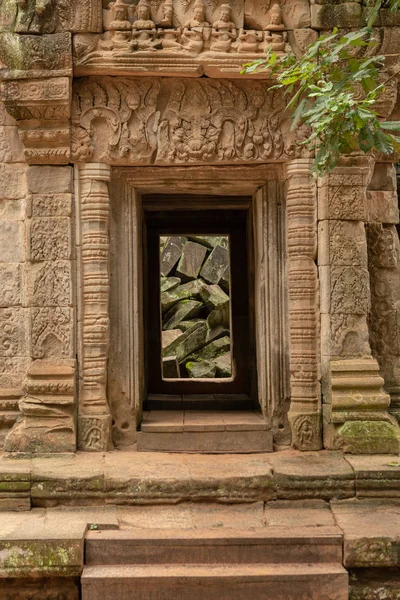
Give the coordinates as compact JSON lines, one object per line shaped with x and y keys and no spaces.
{"x":292,"y":541}
{"x":130,"y":477}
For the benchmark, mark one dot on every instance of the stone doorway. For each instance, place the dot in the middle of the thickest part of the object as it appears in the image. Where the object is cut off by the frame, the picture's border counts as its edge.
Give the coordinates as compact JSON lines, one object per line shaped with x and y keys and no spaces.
{"x":214,"y":314}
{"x":134,"y":197}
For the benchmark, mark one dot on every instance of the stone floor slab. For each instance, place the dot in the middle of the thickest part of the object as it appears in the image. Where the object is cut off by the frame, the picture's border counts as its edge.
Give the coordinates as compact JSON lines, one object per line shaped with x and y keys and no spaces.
{"x":325,"y":475}
{"x":376,"y":476}
{"x":298,"y":513}
{"x":371,"y":530}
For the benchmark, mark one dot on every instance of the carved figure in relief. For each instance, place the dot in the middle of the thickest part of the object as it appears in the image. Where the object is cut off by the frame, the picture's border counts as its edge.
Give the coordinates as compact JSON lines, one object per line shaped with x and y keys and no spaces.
{"x":249,"y":41}
{"x":223,"y":31}
{"x":33,"y":15}
{"x":120,"y":27}
{"x":197,"y":30}
{"x":275,"y":35}
{"x":144,"y":31}
{"x":168,"y":35}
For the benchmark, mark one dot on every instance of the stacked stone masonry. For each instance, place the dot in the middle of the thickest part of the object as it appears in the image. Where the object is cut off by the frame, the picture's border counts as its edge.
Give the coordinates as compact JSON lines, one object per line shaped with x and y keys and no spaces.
{"x":89,"y":88}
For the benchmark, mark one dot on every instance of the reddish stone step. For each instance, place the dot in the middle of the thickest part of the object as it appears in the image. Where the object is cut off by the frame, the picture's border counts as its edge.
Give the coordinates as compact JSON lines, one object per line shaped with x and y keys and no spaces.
{"x":216,"y":582}
{"x":204,"y":432}
{"x":269,"y":545}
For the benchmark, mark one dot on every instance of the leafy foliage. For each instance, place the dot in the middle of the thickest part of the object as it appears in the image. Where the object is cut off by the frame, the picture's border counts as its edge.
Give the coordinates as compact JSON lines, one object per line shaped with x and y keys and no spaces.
{"x":332,"y":89}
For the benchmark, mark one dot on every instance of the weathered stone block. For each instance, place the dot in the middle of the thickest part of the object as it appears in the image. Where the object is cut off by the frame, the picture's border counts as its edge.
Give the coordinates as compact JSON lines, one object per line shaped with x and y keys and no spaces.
{"x":11,"y":148}
{"x":170,"y":367}
{"x":11,"y":241}
{"x":49,"y":239}
{"x":201,"y":370}
{"x":36,"y":53}
{"x":193,"y":339}
{"x":169,"y":283}
{"x":170,"y":255}
{"x":10,"y":285}
{"x":49,"y":180}
{"x":13,"y":332}
{"x":51,"y":332}
{"x":348,"y":335}
{"x":327,"y":16}
{"x":369,"y":437}
{"x":50,"y":284}
{"x":212,"y":350}
{"x":191,"y":260}
{"x":183,"y":292}
{"x":167,"y":337}
{"x":382,"y":207}
{"x":185,"y":309}
{"x":342,"y":202}
{"x":12,"y":181}
{"x":49,"y":205}
{"x":349,"y":290}
{"x":216,"y":265}
{"x":347,"y":243}
{"x":12,"y":210}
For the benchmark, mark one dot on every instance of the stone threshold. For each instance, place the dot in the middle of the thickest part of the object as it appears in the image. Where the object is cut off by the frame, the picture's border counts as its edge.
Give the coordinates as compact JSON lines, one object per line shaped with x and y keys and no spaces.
{"x":128,"y":478}
{"x":49,"y":542}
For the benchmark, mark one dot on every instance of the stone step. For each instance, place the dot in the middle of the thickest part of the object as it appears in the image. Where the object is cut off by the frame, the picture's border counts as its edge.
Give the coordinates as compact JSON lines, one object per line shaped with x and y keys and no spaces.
{"x":212,"y":546}
{"x":204,"y":432}
{"x":212,"y":582}
{"x":198,"y":402}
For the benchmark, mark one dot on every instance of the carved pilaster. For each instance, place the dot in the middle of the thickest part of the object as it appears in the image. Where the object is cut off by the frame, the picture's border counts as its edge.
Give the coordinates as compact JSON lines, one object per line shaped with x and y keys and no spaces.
{"x":304,"y":414}
{"x":94,"y":421}
{"x":42,"y":108}
{"x":355,"y":404}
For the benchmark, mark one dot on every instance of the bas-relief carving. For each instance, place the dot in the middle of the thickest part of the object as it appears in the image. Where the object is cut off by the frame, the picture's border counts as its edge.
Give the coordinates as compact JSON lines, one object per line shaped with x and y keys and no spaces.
{"x":51,"y":332}
{"x":33,"y":54}
{"x":122,"y":121}
{"x":167,"y":42}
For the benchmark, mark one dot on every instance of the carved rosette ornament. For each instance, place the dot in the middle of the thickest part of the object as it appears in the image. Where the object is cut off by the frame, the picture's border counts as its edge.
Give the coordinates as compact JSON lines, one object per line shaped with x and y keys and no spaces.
{"x":305,"y":407}
{"x":94,"y":420}
{"x":42,"y":109}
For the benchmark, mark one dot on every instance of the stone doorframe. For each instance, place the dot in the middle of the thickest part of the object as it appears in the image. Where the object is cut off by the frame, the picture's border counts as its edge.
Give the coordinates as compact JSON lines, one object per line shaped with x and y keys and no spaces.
{"x":266,"y":184}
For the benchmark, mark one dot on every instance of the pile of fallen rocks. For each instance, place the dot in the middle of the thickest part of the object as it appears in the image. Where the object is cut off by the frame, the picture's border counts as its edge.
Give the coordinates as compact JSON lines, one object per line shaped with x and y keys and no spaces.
{"x":195,"y":307}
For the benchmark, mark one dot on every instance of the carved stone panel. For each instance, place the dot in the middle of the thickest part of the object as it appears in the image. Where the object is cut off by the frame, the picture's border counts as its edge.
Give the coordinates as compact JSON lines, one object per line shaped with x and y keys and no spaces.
{"x":140,"y":121}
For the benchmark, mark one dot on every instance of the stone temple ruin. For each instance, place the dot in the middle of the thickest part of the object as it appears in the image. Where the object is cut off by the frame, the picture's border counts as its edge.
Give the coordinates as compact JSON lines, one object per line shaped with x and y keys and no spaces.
{"x":195,"y":307}
{"x":199,"y":342}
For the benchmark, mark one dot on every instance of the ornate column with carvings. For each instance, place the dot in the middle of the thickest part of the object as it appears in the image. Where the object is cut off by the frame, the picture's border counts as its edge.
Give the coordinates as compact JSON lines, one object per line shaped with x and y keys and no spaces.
{"x":355,"y":404}
{"x":305,"y":408}
{"x":94,"y":420}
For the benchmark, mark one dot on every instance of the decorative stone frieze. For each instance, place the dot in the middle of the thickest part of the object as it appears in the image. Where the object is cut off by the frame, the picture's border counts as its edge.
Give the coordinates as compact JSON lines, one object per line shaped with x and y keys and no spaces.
{"x":305,"y":408}
{"x":94,"y":420}
{"x":171,"y":36}
{"x":137,"y":121}
{"x":47,"y":423}
{"x":42,"y":109}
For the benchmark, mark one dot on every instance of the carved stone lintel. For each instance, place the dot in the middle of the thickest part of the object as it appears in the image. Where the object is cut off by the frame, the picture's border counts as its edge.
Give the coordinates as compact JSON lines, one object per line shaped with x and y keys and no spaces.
{"x":47,"y":423}
{"x":184,"y":121}
{"x":305,"y":408}
{"x":94,"y":422}
{"x":41,"y":108}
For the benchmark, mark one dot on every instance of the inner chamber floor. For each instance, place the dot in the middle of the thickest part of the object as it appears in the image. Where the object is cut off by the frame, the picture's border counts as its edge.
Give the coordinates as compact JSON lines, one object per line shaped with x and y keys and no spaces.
{"x":204,"y":431}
